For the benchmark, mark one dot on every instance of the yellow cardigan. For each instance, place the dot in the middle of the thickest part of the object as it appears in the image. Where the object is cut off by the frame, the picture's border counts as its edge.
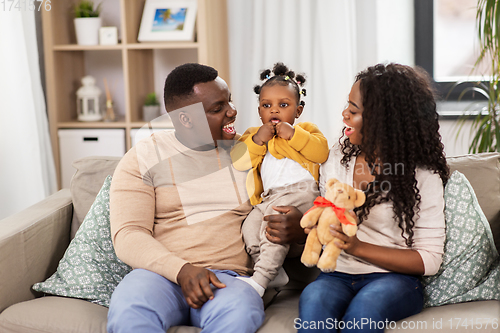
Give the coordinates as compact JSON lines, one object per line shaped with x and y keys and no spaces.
{"x":308,"y":147}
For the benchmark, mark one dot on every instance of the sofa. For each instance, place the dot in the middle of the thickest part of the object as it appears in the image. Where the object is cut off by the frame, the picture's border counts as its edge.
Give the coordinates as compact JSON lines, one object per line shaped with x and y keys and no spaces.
{"x":33,"y":241}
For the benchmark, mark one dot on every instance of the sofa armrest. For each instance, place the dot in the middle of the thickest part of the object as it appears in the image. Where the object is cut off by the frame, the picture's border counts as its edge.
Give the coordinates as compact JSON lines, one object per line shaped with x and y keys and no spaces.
{"x":31,"y":244}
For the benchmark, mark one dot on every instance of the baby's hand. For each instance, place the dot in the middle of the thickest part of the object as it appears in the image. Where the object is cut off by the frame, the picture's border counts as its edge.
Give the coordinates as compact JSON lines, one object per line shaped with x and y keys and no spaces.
{"x":285,"y":130}
{"x":265,"y":133}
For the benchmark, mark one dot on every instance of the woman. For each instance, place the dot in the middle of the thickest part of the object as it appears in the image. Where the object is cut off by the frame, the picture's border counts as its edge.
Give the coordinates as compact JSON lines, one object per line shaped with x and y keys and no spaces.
{"x":392,"y":150}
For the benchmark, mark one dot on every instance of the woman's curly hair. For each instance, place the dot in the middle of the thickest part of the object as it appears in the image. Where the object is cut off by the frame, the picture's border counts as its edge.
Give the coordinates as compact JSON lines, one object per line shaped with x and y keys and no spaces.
{"x":401,"y":131}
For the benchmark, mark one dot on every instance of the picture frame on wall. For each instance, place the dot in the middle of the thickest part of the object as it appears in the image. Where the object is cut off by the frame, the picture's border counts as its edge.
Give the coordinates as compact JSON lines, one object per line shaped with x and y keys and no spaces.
{"x":168,"y":20}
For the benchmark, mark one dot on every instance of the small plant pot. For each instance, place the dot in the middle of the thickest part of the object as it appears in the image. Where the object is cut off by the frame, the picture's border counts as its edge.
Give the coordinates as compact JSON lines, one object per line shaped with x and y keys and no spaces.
{"x":150,"y":112}
{"x":87,"y":30}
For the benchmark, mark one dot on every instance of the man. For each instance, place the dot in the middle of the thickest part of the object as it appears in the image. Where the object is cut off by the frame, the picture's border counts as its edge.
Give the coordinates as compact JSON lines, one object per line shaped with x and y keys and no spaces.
{"x":176,"y":211}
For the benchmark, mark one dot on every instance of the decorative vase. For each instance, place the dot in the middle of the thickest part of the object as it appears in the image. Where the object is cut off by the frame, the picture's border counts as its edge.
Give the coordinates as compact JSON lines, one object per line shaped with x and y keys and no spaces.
{"x":150,"y":112}
{"x":87,"y":30}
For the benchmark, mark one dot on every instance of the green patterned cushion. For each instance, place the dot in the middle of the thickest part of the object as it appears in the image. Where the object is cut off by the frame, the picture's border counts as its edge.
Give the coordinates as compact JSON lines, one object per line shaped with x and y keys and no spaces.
{"x":89,"y":268}
{"x":471,"y":266}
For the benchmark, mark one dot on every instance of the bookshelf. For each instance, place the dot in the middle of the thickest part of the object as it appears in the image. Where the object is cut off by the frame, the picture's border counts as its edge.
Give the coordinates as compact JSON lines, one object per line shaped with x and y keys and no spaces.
{"x":133,"y":69}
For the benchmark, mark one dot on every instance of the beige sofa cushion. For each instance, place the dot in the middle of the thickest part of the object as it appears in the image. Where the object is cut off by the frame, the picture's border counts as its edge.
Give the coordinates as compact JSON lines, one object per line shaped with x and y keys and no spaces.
{"x":453,"y":318}
{"x":86,"y":183}
{"x":31,"y":244}
{"x":53,"y":314}
{"x":483,"y":172}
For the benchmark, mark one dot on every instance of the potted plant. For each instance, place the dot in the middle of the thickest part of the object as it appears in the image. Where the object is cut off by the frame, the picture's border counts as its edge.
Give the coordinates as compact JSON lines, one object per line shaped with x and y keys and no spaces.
{"x":151,"y":108}
{"x":87,"y":22}
{"x":485,"y":124}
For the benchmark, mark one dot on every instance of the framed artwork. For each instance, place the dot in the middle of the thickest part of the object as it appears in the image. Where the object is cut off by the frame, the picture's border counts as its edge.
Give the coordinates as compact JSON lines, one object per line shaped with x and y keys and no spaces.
{"x":168,"y":20}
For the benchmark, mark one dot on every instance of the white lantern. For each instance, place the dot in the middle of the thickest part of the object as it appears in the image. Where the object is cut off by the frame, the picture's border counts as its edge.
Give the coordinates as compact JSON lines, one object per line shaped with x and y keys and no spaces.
{"x":87,"y":100}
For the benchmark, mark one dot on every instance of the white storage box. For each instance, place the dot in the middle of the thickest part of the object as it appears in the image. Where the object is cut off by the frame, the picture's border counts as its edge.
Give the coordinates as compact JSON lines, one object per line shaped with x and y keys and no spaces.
{"x":137,"y":134}
{"x":77,"y":143}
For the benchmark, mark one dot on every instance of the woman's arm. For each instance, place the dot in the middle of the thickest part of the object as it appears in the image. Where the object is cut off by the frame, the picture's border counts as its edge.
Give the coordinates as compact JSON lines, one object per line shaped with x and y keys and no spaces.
{"x":425,"y":256}
{"x":404,"y":261}
{"x":285,"y":228}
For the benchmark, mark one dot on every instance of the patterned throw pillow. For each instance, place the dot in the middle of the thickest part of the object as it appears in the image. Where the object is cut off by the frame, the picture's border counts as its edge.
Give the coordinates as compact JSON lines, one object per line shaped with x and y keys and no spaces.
{"x":471,"y":266}
{"x":89,"y":268}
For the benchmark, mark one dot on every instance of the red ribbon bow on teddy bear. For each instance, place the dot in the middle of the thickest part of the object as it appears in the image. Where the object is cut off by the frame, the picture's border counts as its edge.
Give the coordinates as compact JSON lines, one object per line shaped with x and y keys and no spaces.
{"x":340,"y":212}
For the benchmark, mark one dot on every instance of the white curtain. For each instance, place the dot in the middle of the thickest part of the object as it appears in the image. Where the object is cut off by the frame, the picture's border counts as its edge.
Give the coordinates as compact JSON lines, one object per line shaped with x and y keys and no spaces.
{"x":27,"y":172}
{"x":316,"y":37}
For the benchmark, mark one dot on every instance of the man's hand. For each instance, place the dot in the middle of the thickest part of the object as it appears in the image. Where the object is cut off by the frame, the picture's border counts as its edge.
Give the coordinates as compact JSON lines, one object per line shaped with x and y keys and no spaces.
{"x":265,"y":133}
{"x":195,"y":284}
{"x":284,"y":228}
{"x":285,"y":130}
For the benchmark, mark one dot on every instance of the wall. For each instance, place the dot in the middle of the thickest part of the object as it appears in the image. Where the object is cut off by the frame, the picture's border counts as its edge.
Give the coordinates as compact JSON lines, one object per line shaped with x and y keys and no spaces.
{"x":384,"y":32}
{"x":455,"y":145}
{"x":456,"y":134}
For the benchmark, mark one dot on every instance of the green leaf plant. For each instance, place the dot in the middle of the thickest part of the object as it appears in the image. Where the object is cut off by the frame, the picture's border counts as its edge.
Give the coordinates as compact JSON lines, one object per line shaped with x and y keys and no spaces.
{"x":86,"y":8}
{"x":151,"y":99}
{"x":485,"y":122}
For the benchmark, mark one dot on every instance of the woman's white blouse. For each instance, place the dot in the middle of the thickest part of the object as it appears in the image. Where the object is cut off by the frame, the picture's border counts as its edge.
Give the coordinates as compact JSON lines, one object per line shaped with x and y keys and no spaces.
{"x":380,"y":228}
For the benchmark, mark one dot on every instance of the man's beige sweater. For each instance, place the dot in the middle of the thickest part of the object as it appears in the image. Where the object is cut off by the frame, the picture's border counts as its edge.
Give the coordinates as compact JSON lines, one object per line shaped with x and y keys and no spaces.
{"x":171,"y":205}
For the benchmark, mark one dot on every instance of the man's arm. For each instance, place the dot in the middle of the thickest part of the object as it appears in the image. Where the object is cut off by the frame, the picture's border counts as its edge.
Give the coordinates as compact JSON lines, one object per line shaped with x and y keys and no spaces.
{"x":132,"y":215}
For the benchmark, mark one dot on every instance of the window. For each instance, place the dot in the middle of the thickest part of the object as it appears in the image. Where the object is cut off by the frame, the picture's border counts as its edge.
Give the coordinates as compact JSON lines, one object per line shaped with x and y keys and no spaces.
{"x":446,"y":44}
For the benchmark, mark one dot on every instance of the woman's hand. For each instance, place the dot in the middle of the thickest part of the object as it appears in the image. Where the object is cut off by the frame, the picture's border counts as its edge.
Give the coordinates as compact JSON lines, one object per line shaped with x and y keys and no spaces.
{"x":344,"y":242}
{"x":285,"y":130}
{"x":265,"y":133}
{"x":284,"y":228}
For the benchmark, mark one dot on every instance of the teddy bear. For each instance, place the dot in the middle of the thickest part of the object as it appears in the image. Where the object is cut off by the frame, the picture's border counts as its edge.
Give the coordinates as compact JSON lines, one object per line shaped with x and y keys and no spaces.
{"x":334,"y":208}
